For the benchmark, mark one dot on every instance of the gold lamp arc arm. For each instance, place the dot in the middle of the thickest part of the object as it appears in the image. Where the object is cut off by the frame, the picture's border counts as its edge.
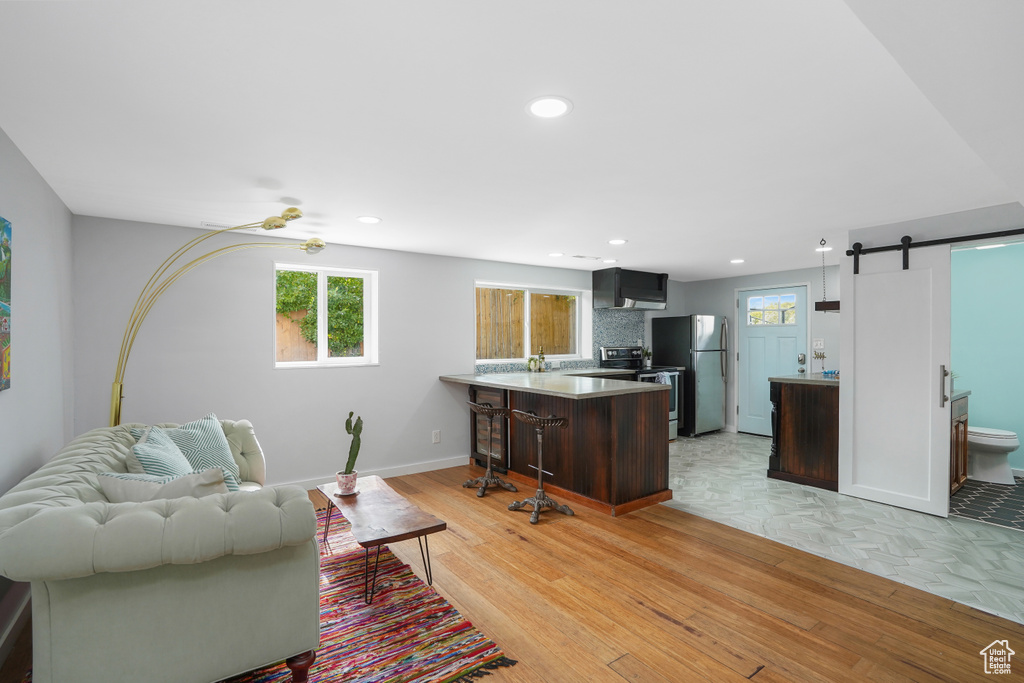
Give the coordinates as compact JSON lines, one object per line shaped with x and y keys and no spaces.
{"x":159,"y":272}
{"x":161,"y":280}
{"x":147,"y":304}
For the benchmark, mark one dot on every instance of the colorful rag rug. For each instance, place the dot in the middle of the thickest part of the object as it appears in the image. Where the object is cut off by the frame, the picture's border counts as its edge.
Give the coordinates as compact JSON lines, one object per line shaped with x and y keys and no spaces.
{"x":408,"y":633}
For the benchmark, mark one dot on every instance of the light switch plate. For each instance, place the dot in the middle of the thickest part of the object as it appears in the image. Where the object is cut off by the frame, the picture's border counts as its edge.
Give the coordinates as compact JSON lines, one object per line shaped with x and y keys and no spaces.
{"x":819,"y":343}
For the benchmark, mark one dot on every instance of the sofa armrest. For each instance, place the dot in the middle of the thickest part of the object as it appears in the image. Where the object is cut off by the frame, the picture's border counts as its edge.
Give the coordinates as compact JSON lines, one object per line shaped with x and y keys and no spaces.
{"x":80,"y":540}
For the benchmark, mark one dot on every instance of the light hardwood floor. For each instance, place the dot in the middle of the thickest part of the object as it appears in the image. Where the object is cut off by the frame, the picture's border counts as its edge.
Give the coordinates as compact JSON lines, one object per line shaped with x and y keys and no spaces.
{"x":661,"y":595}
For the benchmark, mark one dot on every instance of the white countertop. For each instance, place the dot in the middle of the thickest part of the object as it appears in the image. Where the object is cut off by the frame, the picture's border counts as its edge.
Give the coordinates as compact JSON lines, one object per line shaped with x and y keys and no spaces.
{"x":812,"y":378}
{"x":564,"y":383}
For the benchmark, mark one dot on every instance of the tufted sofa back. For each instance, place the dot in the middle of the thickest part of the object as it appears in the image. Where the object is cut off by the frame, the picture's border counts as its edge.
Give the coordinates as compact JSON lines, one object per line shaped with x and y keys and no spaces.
{"x":56,"y":523}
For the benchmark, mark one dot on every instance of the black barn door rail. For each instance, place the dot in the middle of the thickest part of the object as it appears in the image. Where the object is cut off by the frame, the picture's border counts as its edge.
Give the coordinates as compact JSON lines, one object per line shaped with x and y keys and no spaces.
{"x":907,"y":243}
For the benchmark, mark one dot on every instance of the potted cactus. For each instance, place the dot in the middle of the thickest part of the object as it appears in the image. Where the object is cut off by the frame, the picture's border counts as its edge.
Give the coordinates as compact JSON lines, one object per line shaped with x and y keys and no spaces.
{"x":347,"y":477}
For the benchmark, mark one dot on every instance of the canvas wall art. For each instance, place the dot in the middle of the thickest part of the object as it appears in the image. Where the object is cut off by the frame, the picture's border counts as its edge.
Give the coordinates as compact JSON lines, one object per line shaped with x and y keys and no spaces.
{"x":5,"y":304}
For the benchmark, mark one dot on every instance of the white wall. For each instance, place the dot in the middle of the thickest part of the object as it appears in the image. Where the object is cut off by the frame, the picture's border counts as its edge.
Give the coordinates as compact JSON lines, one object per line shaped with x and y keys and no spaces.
{"x":718,"y":297}
{"x":36,"y":412}
{"x":208,"y":345}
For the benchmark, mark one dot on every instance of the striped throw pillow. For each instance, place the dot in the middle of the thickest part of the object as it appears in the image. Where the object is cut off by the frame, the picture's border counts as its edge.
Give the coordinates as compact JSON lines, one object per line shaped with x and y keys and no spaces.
{"x":160,"y":456}
{"x":204,"y":445}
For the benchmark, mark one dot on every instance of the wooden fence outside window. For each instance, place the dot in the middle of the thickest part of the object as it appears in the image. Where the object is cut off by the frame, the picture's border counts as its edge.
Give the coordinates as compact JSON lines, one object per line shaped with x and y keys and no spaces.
{"x":500,"y":323}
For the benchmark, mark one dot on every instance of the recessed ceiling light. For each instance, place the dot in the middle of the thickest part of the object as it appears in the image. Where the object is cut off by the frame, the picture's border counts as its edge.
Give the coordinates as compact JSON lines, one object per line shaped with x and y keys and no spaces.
{"x":823,"y":249}
{"x":990,"y":246}
{"x":617,"y":242}
{"x":736,"y":260}
{"x":371,"y":220}
{"x":610,"y":260}
{"x":556,"y":254}
{"x":549,"y":107}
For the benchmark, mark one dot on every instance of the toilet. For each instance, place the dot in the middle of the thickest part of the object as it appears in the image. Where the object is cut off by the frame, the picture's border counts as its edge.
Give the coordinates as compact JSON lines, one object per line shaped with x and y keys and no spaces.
{"x":988,"y":452}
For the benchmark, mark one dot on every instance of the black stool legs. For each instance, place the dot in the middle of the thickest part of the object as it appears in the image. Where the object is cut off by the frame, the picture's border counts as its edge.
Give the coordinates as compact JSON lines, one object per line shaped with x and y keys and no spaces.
{"x":540,"y":500}
{"x":489,"y":478}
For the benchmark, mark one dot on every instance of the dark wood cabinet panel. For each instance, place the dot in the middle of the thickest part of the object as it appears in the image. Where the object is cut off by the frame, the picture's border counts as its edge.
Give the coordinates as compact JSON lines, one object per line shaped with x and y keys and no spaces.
{"x":805,"y":434}
{"x":612,"y":455}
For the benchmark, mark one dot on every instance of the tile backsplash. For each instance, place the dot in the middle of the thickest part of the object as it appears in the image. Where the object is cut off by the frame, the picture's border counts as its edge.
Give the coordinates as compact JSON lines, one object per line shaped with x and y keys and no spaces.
{"x":616,"y":328}
{"x":611,"y":328}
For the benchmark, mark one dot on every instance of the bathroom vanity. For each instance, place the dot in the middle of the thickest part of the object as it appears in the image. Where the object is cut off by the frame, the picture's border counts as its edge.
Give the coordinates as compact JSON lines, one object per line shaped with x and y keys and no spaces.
{"x":805,"y":430}
{"x":958,"y":441}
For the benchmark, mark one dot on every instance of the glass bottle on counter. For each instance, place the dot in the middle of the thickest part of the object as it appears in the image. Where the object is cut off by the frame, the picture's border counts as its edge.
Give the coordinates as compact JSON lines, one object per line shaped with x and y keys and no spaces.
{"x":540,"y":360}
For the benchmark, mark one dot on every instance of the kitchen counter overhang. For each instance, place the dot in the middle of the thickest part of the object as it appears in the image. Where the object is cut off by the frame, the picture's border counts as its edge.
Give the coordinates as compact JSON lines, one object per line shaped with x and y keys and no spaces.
{"x":613,"y":455}
{"x":815,"y":378}
{"x":565,"y":384}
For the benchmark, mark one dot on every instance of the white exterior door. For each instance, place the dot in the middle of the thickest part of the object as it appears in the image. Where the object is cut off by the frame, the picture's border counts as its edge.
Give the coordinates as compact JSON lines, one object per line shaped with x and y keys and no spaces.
{"x":894,"y":426}
{"x":771,"y":337}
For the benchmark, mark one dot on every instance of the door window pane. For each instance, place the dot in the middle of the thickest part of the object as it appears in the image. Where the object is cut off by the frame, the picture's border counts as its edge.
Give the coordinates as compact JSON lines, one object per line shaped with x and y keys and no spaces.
{"x":774,"y":309}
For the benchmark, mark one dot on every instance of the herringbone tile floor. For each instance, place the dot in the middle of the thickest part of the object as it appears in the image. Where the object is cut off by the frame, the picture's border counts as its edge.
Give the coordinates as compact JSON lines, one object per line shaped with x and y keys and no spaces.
{"x":721,"y":476}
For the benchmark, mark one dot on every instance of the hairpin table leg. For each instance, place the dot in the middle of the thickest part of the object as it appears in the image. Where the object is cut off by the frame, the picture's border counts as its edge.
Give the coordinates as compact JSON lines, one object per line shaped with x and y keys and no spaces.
{"x":426,"y":558}
{"x":369,"y":585}
{"x":327,"y":525}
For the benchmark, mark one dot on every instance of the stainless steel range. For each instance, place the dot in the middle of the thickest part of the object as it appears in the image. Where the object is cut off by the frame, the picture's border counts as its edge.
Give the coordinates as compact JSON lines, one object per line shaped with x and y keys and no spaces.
{"x":630,"y":358}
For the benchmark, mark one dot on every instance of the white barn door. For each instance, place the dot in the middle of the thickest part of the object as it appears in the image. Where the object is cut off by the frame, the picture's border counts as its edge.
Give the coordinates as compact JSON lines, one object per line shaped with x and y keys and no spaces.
{"x":894,"y":426}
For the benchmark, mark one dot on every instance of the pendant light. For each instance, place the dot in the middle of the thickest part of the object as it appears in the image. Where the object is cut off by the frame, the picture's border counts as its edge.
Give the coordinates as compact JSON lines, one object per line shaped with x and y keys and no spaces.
{"x":824,"y":304}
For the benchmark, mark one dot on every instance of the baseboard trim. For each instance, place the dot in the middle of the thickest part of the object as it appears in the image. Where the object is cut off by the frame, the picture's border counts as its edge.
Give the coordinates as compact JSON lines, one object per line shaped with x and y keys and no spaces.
{"x":1017,"y":473}
{"x":384,"y":473}
{"x":14,"y":610}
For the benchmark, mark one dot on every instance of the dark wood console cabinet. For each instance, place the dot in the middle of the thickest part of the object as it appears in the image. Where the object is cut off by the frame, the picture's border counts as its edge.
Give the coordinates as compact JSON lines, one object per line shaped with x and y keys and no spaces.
{"x":805,"y":433}
{"x":958,"y":445}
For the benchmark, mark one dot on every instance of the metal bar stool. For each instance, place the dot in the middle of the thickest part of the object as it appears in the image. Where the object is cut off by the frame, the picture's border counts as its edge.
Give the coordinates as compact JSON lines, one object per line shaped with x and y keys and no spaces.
{"x":489,"y":478}
{"x":540,"y":500}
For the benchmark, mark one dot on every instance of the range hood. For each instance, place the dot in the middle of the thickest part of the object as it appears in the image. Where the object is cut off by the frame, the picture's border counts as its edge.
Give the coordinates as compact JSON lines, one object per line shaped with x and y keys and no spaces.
{"x":630,"y":289}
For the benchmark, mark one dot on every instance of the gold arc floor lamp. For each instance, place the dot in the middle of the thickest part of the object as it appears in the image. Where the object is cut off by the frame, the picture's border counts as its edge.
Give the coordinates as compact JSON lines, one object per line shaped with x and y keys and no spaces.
{"x":164,"y":277}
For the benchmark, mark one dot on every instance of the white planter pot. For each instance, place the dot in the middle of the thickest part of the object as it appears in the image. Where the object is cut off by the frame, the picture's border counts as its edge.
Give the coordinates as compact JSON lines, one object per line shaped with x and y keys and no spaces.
{"x":346,"y":483}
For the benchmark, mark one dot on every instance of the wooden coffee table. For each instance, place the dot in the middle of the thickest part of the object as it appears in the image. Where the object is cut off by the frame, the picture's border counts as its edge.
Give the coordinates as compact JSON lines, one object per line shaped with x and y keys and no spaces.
{"x":380,"y":516}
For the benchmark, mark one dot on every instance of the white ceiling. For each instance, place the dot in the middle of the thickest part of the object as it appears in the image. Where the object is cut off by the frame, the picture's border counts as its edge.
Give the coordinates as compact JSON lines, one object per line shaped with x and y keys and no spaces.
{"x":701,"y":131}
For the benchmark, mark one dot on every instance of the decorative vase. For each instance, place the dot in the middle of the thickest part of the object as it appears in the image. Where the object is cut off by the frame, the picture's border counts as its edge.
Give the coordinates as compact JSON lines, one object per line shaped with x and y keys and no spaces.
{"x":647,"y":363}
{"x":347,"y":483}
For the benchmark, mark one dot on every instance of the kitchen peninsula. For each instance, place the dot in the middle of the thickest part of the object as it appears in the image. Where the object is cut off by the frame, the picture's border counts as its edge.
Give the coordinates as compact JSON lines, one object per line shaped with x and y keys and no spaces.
{"x":805,"y":430}
{"x":613,"y":455}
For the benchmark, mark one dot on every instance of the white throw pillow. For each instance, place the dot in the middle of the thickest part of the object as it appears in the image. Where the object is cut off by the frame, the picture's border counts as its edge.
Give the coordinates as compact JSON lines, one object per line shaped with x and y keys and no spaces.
{"x":138,"y":488}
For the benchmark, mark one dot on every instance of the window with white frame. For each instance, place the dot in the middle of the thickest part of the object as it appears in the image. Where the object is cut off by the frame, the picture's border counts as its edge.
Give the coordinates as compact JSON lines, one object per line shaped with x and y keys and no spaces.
{"x":775,"y":309}
{"x":515,"y":322}
{"x":325,"y":316}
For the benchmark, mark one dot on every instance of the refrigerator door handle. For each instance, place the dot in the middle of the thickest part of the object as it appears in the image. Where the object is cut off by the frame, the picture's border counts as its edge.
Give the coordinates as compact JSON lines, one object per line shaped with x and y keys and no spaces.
{"x":725,"y":349}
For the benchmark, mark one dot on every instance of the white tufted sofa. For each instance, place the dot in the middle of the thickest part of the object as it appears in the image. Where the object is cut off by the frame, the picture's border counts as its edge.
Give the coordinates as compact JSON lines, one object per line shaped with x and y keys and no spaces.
{"x":189,"y":589}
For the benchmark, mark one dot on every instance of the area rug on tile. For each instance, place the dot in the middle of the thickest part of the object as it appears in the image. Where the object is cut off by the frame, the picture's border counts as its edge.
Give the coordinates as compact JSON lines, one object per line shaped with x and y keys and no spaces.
{"x":409,"y":633}
{"x":1000,"y":504}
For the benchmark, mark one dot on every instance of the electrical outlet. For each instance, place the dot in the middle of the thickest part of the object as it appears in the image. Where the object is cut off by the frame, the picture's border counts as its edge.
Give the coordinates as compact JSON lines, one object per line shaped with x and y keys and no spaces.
{"x":819,"y":343}
{"x":435,"y":436}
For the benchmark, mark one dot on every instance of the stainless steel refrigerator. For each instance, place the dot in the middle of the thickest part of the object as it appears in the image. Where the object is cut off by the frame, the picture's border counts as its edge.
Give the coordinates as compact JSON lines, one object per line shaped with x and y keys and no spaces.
{"x":700,"y":343}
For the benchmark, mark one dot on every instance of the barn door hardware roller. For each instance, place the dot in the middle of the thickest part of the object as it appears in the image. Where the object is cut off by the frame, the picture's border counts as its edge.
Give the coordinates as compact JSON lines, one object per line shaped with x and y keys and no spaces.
{"x":907,"y":243}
